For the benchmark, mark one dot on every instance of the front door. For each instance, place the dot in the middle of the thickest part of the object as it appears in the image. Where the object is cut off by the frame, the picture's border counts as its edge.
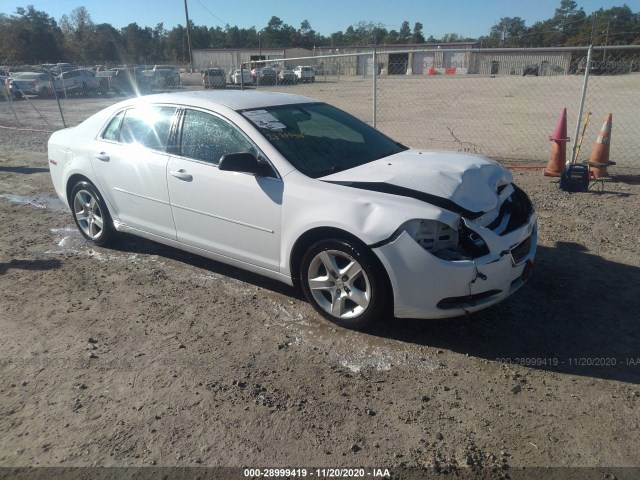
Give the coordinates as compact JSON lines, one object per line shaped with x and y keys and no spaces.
{"x":228,"y":213}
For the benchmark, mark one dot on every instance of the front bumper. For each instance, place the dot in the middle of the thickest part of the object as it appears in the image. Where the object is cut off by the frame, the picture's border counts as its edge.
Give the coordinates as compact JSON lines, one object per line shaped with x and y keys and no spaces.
{"x":425,"y":286}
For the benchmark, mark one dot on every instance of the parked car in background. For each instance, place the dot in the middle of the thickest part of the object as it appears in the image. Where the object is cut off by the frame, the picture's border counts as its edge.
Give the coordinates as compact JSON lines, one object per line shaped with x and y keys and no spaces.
{"x":302,"y":192}
{"x":243,"y":74}
{"x":214,"y":78}
{"x":264,"y":76}
{"x":4,"y":85}
{"x":4,"y":82}
{"x":32,"y":83}
{"x":84,"y":82}
{"x":130,"y":81}
{"x":165,"y":76}
{"x":305,"y":74}
{"x":597,"y":67}
{"x":286,"y":77}
{"x":59,"y":68}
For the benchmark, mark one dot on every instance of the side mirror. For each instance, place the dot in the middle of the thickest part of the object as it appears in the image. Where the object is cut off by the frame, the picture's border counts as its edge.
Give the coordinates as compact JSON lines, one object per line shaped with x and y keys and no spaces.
{"x":244,"y":162}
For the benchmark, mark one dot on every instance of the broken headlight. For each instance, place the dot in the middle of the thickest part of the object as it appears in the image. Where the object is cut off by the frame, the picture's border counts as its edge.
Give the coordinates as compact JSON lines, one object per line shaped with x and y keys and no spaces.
{"x":435,"y":237}
{"x":446,"y":242}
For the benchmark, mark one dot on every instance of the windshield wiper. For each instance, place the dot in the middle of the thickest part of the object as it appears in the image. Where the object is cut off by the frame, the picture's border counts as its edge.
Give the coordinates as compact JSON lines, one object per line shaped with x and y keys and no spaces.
{"x":387,"y":154}
{"x":324,"y":173}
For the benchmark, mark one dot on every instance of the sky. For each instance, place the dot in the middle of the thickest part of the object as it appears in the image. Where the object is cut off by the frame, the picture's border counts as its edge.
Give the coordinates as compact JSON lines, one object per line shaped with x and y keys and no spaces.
{"x":470,"y":18}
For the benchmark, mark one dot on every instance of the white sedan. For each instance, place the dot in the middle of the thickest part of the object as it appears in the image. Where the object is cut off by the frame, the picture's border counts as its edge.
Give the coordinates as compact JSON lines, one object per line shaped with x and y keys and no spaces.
{"x":241,"y":76}
{"x":302,"y":192}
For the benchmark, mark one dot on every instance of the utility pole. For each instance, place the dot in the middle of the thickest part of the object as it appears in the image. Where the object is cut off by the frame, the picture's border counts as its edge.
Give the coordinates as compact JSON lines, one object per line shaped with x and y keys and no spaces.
{"x":186,"y":14}
{"x":606,"y":41}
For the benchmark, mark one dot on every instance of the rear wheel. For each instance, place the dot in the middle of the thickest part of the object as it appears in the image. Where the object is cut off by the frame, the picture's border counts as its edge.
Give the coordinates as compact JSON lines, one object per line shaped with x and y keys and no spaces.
{"x":91,"y":215}
{"x":344,"y":283}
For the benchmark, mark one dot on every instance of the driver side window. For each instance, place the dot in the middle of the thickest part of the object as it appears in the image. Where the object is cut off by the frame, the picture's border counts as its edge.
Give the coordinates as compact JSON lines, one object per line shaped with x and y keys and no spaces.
{"x":207,"y":138}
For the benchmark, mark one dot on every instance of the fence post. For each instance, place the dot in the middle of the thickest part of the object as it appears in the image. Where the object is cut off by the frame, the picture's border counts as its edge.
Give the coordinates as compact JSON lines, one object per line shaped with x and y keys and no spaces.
{"x":7,"y":96}
{"x":55,"y":93}
{"x":581,"y":109}
{"x":375,"y":75}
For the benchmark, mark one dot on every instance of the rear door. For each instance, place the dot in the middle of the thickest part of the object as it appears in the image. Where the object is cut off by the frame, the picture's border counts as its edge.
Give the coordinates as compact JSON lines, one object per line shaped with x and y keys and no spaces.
{"x":130,"y":163}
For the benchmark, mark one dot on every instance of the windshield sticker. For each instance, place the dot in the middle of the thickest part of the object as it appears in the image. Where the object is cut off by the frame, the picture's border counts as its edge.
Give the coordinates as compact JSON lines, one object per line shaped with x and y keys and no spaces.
{"x":284,"y":136}
{"x":264,"y":119}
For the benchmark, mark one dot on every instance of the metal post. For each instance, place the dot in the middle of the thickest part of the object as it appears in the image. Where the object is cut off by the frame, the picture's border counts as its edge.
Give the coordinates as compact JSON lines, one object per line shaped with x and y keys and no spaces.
{"x":581,"y":109}
{"x":606,"y":42}
{"x":186,"y":14}
{"x":375,"y":75}
{"x":242,"y":76}
{"x":55,"y":92}
{"x":7,"y":96}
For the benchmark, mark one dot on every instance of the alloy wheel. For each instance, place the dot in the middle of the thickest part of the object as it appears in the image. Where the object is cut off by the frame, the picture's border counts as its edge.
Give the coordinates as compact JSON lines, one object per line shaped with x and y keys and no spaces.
{"x":339,"y":284}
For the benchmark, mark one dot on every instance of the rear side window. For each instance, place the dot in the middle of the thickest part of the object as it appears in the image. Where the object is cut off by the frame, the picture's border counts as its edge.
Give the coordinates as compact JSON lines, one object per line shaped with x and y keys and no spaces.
{"x":145,"y":126}
{"x":113,"y":128}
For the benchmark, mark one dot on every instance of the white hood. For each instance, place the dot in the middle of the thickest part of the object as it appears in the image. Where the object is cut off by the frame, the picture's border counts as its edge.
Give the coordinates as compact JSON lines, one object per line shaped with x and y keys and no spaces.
{"x":469,"y":181}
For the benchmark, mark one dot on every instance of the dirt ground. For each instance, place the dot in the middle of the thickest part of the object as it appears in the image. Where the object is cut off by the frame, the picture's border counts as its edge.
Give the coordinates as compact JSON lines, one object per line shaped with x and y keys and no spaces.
{"x":143,"y":355}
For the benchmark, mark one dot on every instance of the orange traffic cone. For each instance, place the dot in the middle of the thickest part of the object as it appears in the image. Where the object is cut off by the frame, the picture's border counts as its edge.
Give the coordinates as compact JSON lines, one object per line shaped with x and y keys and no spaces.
{"x":558,"y":159}
{"x":599,"y":159}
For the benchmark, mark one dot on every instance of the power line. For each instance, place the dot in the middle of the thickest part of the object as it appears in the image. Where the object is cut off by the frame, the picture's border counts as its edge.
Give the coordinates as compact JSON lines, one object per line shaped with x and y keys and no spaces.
{"x":223,"y":23}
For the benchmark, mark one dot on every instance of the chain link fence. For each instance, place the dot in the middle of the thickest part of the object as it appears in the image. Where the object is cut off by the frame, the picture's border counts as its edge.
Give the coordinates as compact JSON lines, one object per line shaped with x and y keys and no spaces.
{"x":503,"y":103}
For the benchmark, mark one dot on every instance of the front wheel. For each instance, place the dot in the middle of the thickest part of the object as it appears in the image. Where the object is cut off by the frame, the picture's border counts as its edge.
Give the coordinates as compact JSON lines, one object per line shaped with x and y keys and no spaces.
{"x":344,"y":283}
{"x":91,"y":215}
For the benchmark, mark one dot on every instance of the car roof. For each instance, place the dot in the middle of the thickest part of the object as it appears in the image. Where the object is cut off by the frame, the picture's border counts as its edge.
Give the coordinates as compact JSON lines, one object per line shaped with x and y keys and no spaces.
{"x":233,"y":99}
{"x":27,"y":74}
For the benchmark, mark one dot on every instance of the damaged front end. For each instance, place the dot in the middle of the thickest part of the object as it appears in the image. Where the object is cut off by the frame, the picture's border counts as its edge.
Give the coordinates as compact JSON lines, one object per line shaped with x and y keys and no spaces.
{"x":464,"y":265}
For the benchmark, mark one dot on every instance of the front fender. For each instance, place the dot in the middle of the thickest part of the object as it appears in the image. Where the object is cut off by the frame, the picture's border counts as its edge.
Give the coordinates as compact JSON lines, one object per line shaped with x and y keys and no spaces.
{"x":371,"y":217}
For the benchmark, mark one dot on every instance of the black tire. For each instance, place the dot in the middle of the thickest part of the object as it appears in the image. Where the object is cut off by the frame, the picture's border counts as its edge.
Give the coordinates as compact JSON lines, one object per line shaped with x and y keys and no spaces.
{"x":352,"y":295}
{"x":91,"y":215}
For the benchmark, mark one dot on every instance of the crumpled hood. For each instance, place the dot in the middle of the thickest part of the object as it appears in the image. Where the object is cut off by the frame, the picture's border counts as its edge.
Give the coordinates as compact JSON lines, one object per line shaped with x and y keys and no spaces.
{"x":469,"y":181}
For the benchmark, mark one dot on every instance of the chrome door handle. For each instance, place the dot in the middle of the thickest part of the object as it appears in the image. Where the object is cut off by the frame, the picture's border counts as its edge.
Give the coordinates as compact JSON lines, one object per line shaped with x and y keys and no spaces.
{"x":102,"y":156}
{"x":182,"y":175}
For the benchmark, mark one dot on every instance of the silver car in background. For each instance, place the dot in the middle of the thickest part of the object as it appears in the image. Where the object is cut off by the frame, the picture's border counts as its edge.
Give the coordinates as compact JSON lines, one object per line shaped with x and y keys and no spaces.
{"x":83,"y":81}
{"x":214,"y":78}
{"x":32,"y":83}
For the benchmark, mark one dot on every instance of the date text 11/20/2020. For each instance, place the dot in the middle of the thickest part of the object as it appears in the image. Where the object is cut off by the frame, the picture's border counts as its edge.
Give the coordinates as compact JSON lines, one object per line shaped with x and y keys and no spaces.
{"x":316,"y":472}
{"x":571,"y":362}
